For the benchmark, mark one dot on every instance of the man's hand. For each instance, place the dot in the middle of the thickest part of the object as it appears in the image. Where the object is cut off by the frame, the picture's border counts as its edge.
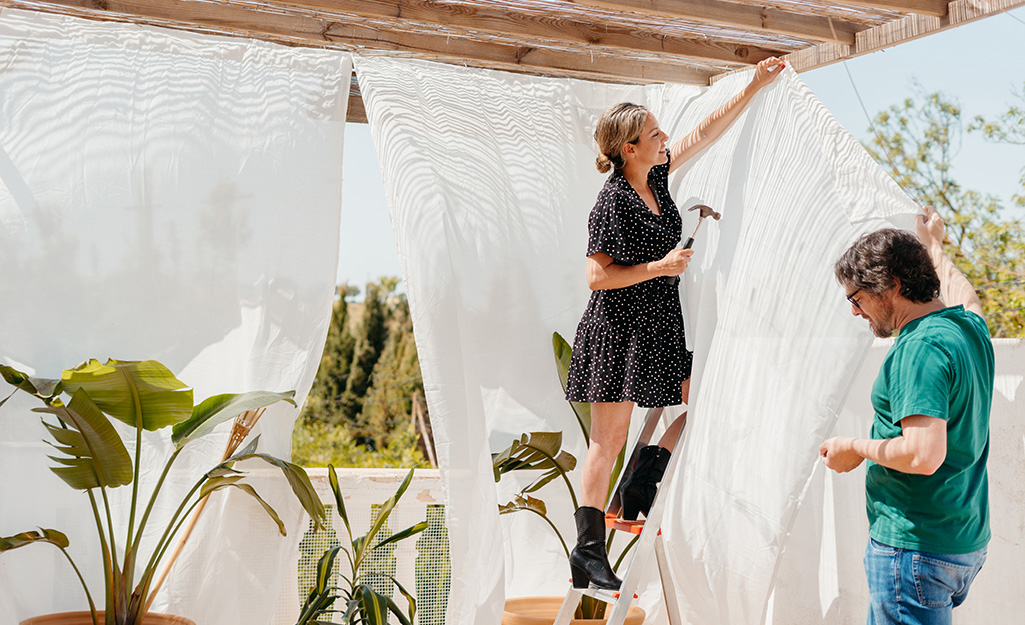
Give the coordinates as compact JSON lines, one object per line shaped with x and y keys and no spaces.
{"x":929,"y":228}
{"x":838,"y":454}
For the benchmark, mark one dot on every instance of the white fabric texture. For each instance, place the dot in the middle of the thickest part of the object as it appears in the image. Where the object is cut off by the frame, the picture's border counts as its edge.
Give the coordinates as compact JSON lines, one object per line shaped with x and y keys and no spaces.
{"x":168,"y":196}
{"x":489,"y":179}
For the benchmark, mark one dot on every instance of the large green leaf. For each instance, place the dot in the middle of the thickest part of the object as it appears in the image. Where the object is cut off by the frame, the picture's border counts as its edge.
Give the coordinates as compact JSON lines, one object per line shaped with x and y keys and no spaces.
{"x":332,"y":477}
{"x":298,"y":480}
{"x":563,"y":355}
{"x":40,"y":387}
{"x":52,"y":537}
{"x":233,"y":482}
{"x":404,"y":534}
{"x":220,"y":408}
{"x":383,"y":513}
{"x":374,"y":606}
{"x":138,"y":393}
{"x":540,"y":451}
{"x":324,"y":567}
{"x":97,"y":456}
{"x":524,"y":502}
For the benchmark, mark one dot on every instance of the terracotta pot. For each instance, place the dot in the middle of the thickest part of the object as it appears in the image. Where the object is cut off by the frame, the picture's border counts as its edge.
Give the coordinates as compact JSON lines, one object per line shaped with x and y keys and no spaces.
{"x":543,"y":610}
{"x":86,"y":618}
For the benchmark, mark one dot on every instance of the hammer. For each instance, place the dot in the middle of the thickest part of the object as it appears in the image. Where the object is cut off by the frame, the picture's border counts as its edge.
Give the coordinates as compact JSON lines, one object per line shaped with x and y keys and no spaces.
{"x":706,"y":211}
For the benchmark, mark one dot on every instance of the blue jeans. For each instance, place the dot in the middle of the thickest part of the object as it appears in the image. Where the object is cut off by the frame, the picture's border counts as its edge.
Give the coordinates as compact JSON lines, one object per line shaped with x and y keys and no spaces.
{"x":916,"y":587}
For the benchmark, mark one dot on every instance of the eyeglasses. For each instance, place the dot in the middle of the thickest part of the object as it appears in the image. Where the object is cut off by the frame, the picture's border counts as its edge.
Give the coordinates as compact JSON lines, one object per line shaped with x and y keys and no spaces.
{"x":854,"y":302}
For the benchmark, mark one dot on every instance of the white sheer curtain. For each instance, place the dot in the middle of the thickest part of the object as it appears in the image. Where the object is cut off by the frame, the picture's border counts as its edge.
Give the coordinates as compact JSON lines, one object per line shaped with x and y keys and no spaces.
{"x":776,"y":346}
{"x":169,"y":196}
{"x":489,"y":179}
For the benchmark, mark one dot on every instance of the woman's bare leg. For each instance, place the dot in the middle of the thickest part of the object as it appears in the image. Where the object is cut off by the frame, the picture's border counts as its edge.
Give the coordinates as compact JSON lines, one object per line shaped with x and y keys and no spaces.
{"x":610,"y":423}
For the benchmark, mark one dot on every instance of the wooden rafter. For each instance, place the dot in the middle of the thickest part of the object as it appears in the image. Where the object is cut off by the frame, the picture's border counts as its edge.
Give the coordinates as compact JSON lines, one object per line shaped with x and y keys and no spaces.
{"x":484,"y":18}
{"x":750,"y":17}
{"x":629,"y":41}
{"x":898,"y":31}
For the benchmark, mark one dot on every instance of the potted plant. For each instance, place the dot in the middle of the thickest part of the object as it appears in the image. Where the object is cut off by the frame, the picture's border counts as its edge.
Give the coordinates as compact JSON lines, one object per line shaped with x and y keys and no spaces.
{"x":91,"y":456}
{"x":542,"y":451}
{"x":363,"y":603}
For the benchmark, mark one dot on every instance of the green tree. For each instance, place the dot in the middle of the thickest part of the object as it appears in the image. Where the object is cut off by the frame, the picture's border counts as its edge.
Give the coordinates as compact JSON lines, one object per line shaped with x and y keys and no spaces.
{"x":322,"y":402}
{"x":358,"y":412}
{"x":370,"y":340}
{"x":388,"y":405}
{"x":917,"y":141}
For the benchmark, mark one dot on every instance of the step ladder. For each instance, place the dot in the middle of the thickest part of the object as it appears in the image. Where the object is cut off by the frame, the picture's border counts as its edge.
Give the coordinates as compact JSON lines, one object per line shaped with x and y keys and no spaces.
{"x":649,"y":541}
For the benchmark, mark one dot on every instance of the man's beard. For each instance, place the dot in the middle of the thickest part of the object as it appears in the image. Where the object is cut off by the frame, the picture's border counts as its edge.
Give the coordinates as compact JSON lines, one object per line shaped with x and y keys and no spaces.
{"x":883,"y":326}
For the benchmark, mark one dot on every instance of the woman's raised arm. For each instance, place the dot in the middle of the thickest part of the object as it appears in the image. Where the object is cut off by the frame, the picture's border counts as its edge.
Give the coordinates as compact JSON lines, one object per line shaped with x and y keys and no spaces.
{"x":715,"y":124}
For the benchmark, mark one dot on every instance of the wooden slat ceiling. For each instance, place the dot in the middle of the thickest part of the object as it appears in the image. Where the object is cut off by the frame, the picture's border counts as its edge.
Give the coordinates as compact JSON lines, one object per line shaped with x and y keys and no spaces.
{"x":629,"y":41}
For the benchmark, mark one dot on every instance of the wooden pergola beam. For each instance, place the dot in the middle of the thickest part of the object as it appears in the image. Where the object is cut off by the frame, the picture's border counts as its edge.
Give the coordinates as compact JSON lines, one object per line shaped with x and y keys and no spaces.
{"x":899,"y":31}
{"x":517,"y":25}
{"x":934,"y":8}
{"x":328,"y":33}
{"x":767,"y":20}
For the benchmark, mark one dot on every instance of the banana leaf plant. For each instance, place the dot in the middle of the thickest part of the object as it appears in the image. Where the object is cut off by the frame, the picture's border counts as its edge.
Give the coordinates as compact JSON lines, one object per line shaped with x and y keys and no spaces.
{"x":363,"y":604}
{"x":542,"y":451}
{"x":90,"y":456}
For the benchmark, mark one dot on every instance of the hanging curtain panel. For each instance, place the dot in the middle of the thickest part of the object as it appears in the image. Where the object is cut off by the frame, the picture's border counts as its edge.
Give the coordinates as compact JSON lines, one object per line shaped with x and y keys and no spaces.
{"x":489,"y":180}
{"x":776,"y":346}
{"x":168,"y":196}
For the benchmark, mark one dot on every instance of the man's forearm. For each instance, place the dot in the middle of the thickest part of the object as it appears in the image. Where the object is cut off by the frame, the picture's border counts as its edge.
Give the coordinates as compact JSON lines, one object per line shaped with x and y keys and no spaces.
{"x":954,"y":287}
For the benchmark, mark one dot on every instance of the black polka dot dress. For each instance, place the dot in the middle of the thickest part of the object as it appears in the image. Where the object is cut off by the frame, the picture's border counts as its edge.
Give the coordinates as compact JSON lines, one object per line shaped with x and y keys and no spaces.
{"x":630,"y":344}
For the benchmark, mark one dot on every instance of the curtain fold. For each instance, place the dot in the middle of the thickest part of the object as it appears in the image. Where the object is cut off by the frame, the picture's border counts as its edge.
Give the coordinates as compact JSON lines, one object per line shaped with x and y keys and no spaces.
{"x":168,"y":196}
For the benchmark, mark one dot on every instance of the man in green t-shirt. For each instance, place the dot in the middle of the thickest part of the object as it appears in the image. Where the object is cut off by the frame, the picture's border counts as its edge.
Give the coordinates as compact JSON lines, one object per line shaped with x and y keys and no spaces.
{"x":925,"y":484}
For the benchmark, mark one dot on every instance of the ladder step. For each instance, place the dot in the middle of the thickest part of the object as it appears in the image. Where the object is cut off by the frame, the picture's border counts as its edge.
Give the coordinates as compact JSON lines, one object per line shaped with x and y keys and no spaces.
{"x":608,"y":596}
{"x":622,"y":525}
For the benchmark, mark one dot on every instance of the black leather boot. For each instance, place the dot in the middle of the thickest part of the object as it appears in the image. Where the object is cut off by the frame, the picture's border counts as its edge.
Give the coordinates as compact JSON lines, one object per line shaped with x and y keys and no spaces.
{"x":638,"y":488}
{"x":588,"y":562}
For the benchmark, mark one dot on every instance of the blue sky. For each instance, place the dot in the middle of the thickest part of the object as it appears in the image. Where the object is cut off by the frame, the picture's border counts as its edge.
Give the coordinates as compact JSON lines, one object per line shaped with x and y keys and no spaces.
{"x":972,"y":64}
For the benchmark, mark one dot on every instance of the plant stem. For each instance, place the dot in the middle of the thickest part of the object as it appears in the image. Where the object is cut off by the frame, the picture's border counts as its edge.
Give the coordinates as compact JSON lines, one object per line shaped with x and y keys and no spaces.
{"x":110,"y":525}
{"x":138,"y":457}
{"x":625,"y":550}
{"x":172,"y":527}
{"x":562,"y":474}
{"x":153,"y":498}
{"x":92,"y":606}
{"x":554,"y":529}
{"x":108,"y":563}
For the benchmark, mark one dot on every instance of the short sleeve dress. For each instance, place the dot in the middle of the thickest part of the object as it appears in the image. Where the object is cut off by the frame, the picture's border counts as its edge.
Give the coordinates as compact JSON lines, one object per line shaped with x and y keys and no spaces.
{"x":630,"y":344}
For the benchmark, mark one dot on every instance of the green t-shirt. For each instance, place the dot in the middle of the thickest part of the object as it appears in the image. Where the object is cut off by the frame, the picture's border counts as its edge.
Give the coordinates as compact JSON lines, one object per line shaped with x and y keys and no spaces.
{"x":941,"y":365}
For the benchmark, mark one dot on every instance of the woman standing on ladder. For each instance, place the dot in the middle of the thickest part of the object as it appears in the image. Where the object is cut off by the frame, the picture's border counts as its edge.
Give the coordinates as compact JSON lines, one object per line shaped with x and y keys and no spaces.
{"x":629,"y":347}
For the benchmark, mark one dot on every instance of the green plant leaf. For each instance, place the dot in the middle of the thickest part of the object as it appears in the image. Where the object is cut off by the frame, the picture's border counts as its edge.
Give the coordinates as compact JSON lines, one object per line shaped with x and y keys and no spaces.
{"x":215,"y":410}
{"x":332,"y":477}
{"x":385,"y":512}
{"x":535,"y":451}
{"x":52,"y":537}
{"x":563,"y":355}
{"x":406,"y":533}
{"x":40,"y":387}
{"x":138,"y":393}
{"x":374,"y":606}
{"x":521,"y":503}
{"x":410,"y":601}
{"x":298,"y":480}
{"x":217,"y":483}
{"x":324,"y":567}
{"x":232,"y":482}
{"x":98,"y":455}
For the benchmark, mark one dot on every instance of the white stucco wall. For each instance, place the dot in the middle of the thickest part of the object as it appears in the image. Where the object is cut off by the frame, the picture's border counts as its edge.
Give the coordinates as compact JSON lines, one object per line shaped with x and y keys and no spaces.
{"x":821,"y":579}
